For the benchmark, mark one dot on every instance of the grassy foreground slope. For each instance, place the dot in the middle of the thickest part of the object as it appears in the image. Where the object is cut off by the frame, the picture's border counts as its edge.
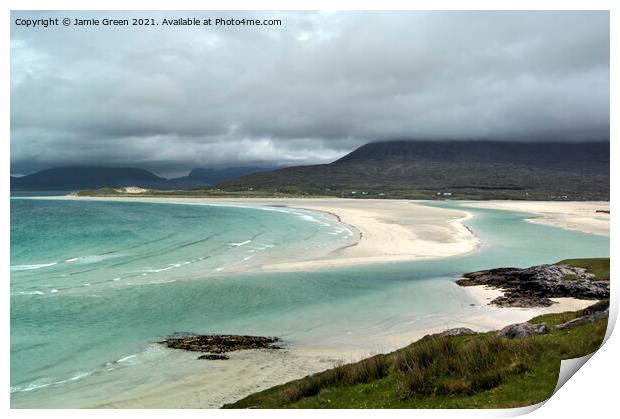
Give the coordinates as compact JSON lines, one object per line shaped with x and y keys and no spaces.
{"x":464,"y":371}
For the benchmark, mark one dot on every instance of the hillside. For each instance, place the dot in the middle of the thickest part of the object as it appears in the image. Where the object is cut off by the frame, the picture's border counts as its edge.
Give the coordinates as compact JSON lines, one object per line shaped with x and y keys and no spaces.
{"x":73,"y":177}
{"x":455,"y":169}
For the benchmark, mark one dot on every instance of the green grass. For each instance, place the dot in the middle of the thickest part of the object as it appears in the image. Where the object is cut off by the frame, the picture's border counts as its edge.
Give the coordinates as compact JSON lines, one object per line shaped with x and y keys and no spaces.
{"x":468,"y":371}
{"x":597,"y":266}
{"x":312,"y":191}
{"x":196,"y":193}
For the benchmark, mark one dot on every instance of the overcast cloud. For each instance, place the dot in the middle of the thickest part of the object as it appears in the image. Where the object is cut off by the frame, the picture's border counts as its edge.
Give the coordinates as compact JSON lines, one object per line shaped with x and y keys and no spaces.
{"x":309,"y":91}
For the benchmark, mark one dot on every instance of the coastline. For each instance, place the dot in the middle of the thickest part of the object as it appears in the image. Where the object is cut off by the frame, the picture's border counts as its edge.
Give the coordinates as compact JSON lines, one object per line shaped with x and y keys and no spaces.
{"x":571,"y":215}
{"x":212,"y":385}
{"x":389,"y":230}
{"x":402,"y":230}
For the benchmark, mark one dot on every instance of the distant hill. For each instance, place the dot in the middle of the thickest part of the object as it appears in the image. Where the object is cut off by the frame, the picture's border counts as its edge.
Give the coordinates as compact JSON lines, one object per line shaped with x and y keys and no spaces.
{"x":213,"y":176}
{"x":74,"y":177}
{"x":456,"y":169}
{"x":389,"y":169}
{"x":94,"y":177}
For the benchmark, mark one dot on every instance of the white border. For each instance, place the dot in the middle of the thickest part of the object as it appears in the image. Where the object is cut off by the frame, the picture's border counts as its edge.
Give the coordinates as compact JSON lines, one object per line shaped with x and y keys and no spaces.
{"x":590,"y":393}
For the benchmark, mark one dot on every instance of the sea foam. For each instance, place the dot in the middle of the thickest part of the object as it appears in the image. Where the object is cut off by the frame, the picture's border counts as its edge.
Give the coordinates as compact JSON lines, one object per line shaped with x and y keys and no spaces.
{"x":15,"y":268}
{"x":240,"y":244}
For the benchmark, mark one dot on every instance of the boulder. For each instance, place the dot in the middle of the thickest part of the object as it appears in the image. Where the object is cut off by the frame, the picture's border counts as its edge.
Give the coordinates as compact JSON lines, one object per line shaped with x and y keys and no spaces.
{"x":457,"y":331}
{"x":523,"y":330}
{"x":600,"y":306}
{"x":588,"y":318}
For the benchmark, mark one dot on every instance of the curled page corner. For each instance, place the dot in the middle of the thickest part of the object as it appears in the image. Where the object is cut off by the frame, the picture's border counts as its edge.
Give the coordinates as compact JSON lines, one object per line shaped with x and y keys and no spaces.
{"x":520,"y":411}
{"x":568,"y":367}
{"x":611,"y":319}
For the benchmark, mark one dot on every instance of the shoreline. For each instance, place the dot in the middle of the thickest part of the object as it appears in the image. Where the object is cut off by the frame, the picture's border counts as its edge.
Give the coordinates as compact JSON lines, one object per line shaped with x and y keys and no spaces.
{"x":570,"y":215}
{"x":491,"y":317}
{"x":389,"y":230}
{"x":251,"y":371}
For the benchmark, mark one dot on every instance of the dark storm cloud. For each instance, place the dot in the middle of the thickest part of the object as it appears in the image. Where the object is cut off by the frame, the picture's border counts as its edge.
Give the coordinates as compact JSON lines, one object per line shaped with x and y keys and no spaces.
{"x":309,"y":91}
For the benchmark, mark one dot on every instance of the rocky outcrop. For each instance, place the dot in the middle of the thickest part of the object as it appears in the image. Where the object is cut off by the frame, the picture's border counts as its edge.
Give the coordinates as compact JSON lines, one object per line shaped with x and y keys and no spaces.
{"x":523,"y":330}
{"x":534,"y":286}
{"x":216,"y":345}
{"x":579,"y":321}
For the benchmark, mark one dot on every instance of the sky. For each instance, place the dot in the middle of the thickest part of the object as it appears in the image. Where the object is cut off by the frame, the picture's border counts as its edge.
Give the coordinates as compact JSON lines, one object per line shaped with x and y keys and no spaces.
{"x":308,"y":91}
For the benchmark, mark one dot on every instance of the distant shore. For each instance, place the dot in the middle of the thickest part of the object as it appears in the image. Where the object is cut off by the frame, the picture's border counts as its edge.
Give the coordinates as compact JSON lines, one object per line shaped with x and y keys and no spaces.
{"x":404,"y":230}
{"x":587,"y":216}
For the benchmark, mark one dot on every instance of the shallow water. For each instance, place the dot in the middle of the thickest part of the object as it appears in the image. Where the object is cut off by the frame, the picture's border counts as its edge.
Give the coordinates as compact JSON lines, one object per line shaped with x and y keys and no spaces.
{"x":154,"y":269}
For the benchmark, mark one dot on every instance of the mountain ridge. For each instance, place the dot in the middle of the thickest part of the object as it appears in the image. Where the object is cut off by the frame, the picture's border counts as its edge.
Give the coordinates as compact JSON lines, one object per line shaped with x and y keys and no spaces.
{"x":93,"y":177}
{"x":417,"y":169}
{"x":529,"y":153}
{"x":408,"y":169}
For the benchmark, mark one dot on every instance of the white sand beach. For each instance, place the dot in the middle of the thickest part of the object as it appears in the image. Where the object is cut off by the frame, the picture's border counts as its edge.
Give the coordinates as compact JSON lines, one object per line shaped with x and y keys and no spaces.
{"x":580,"y":216}
{"x":389,"y":230}
{"x":491,"y":317}
{"x":403,"y":230}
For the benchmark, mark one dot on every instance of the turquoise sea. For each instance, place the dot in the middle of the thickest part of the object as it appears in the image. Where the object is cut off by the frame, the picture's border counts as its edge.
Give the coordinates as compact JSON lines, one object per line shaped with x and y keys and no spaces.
{"x":95,"y":283}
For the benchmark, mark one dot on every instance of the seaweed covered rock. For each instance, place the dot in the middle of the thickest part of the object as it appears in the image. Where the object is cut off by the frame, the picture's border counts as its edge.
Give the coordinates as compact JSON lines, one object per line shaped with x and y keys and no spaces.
{"x":218,"y":344}
{"x":213,"y":357}
{"x":511,"y":299}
